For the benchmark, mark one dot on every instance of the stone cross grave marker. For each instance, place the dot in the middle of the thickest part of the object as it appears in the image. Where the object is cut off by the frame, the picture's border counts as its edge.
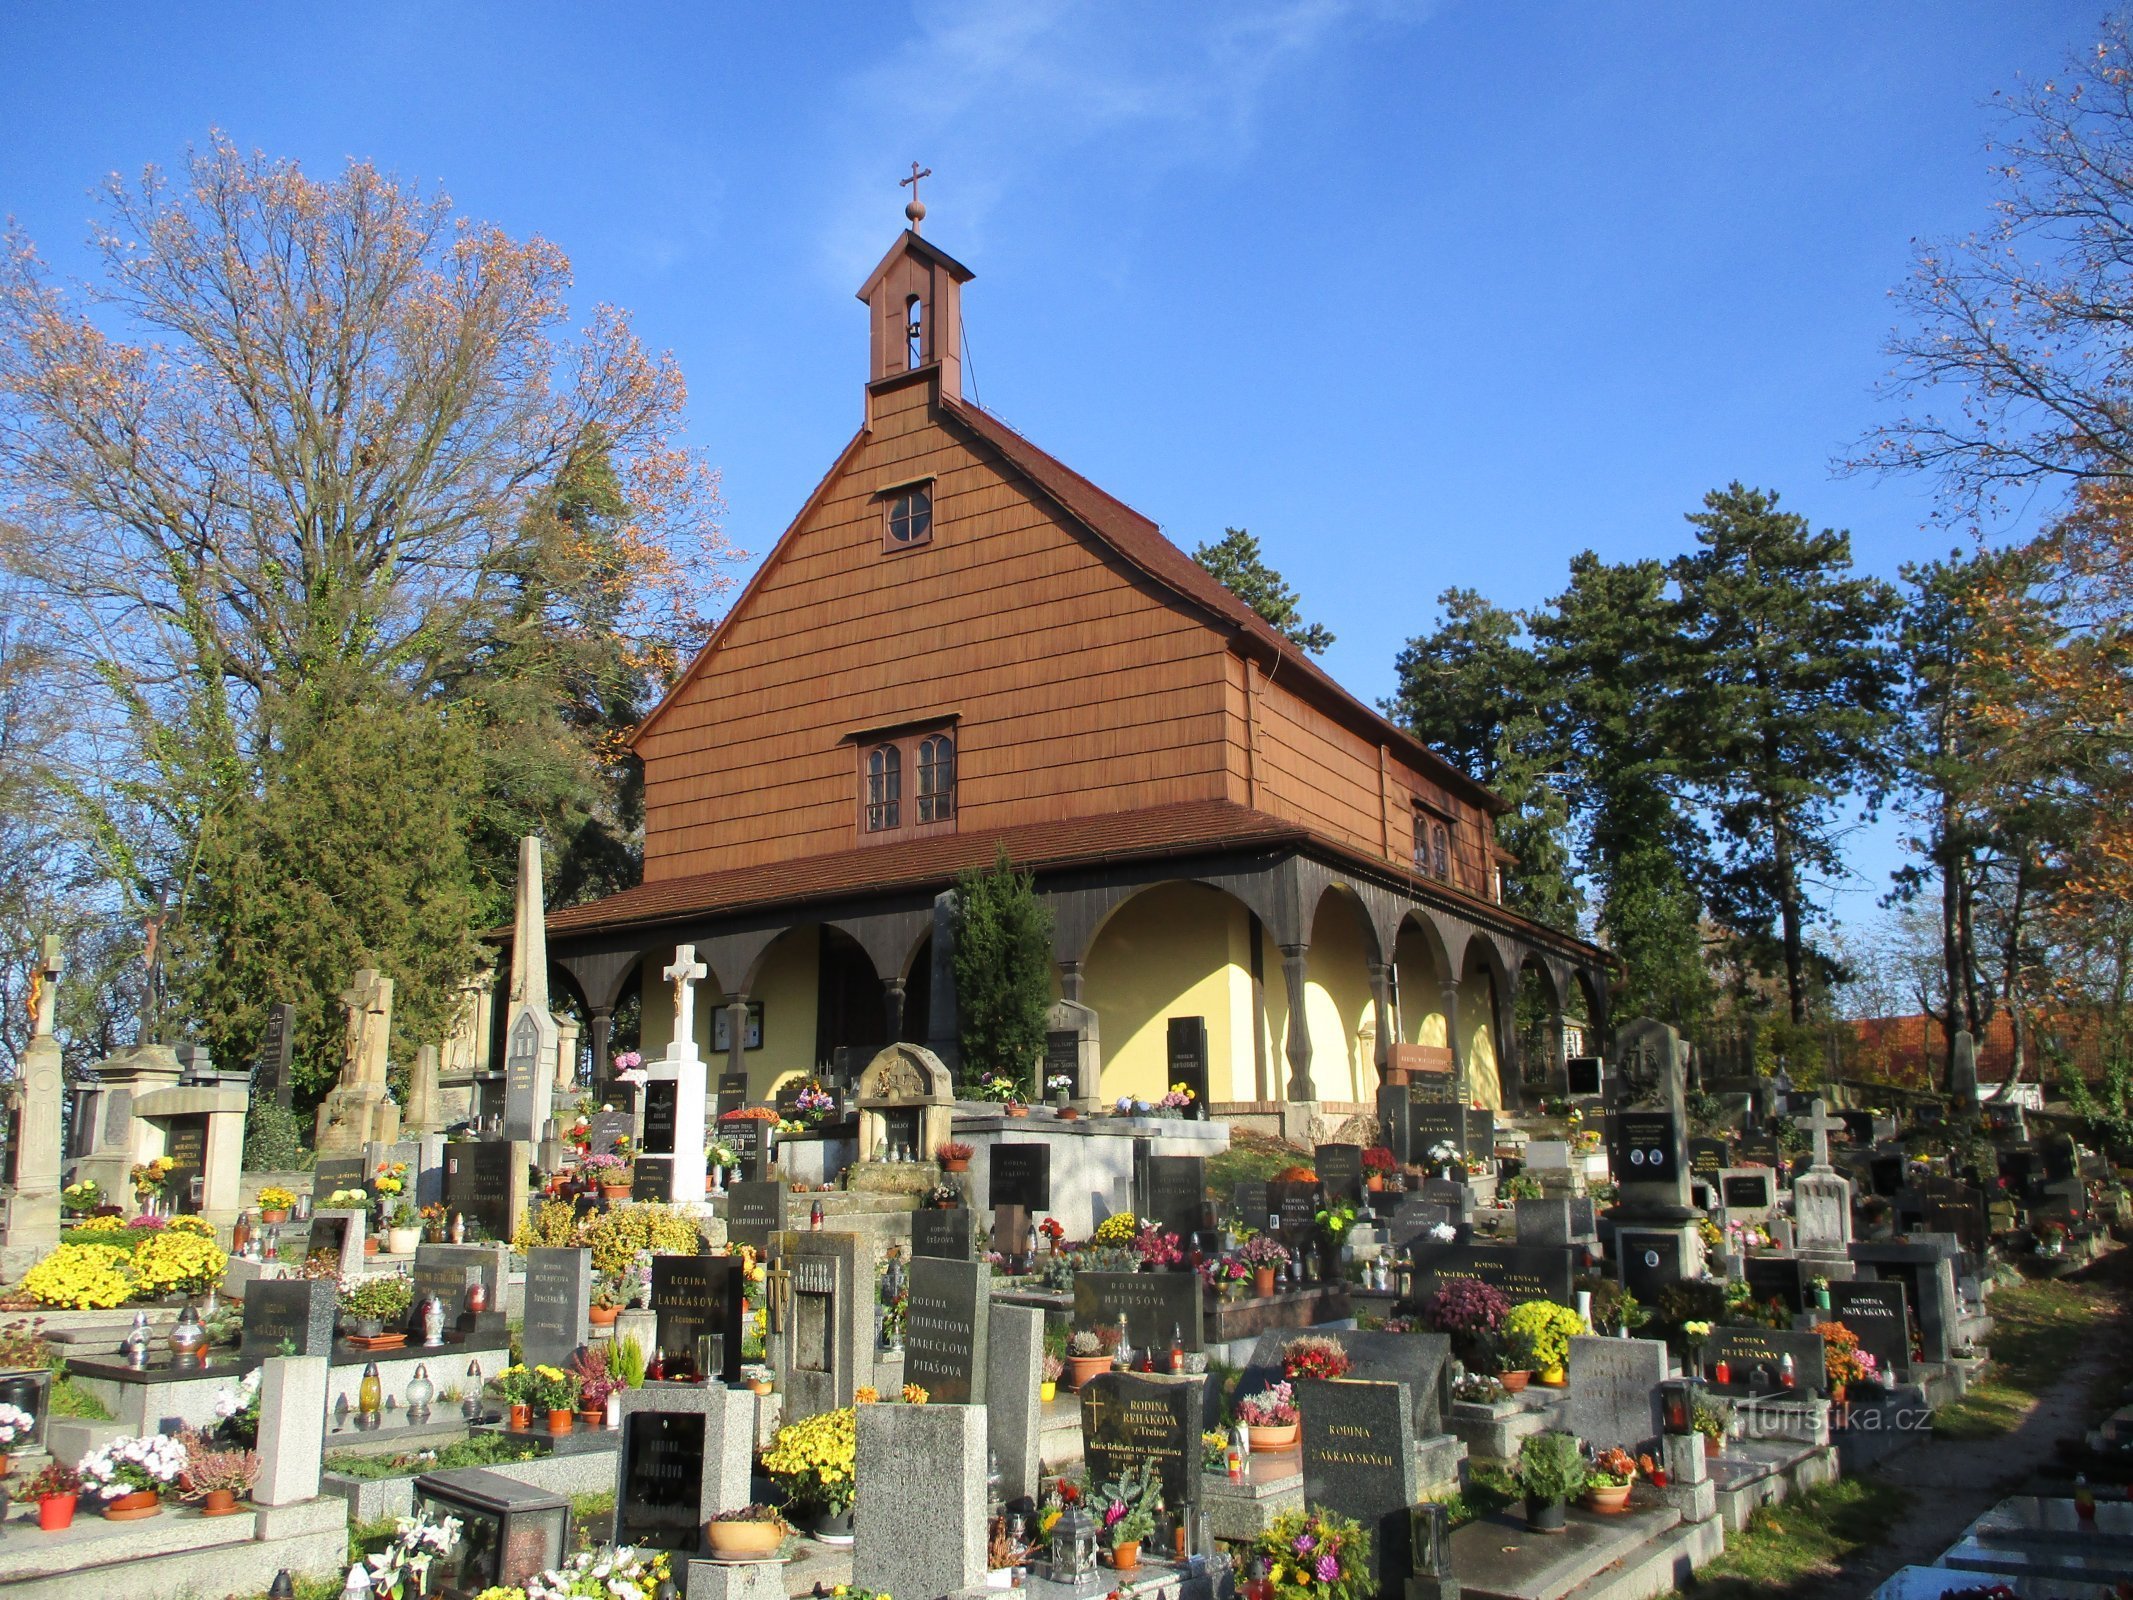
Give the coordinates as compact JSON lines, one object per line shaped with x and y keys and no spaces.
{"x":298,"y":1312}
{"x":699,"y":1297}
{"x":1879,"y":1313}
{"x":1613,"y":1400}
{"x":1131,"y":1417}
{"x":946,"y":1234}
{"x":1359,"y":1460}
{"x":558,"y":1295}
{"x":946,"y":1327}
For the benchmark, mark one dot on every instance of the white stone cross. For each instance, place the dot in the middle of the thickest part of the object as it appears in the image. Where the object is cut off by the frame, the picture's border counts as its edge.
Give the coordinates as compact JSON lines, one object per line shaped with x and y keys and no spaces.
{"x":685,"y":974}
{"x":1821,"y":1125}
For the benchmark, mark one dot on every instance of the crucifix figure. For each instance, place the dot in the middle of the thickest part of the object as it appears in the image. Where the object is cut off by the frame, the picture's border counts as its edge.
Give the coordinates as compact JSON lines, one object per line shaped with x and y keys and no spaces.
{"x":1820,"y":1124}
{"x":916,"y":210}
{"x":685,"y":974}
{"x":44,"y":985}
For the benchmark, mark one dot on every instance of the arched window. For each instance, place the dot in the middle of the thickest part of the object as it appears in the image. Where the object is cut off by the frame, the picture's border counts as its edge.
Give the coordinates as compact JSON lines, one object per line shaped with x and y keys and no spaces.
{"x":1441,"y":850}
{"x":885,"y":788}
{"x":914,"y":333}
{"x":910,"y":517}
{"x":936,"y":778}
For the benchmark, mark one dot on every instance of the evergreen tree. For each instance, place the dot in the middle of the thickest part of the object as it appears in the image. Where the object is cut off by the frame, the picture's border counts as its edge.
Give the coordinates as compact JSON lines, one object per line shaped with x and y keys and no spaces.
{"x":1235,"y":560}
{"x":1003,"y":971}
{"x":1783,"y":715}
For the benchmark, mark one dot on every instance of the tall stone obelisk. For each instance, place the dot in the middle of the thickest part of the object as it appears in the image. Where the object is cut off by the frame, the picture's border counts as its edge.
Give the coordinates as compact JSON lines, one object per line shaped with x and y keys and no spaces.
{"x":530,"y":1033}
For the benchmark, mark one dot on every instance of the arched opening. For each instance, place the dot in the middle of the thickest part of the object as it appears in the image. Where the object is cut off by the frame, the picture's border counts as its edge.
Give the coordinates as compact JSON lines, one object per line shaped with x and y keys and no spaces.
{"x":1480,"y":1058}
{"x":1339,"y":1003}
{"x":1536,"y":1014}
{"x":1180,"y":950}
{"x":1419,"y":977}
{"x":914,"y":332}
{"x":1583,"y":1019}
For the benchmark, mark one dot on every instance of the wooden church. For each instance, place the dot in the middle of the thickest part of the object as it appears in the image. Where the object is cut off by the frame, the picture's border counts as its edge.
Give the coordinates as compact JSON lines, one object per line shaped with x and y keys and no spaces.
{"x":961,"y":645}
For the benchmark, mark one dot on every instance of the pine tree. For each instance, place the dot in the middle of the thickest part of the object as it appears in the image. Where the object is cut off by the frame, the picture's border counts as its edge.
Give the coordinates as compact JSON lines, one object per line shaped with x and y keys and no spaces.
{"x":1235,"y":560}
{"x":1003,"y":971}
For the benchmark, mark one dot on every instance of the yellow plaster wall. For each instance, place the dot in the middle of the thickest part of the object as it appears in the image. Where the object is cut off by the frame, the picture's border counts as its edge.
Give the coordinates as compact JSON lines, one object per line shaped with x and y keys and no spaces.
{"x":1177,"y":950}
{"x":788,"y":987}
{"x":1477,"y":1036}
{"x":1338,"y":1002}
{"x":1421,"y":991}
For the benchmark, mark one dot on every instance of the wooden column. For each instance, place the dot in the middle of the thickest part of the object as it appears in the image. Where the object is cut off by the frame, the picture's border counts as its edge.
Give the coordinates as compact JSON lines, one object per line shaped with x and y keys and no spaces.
{"x":1388,"y":1028}
{"x":603,"y":1022}
{"x":737,"y":1033}
{"x":1450,"y":992}
{"x":892,"y":1007}
{"x":1293,"y":971}
{"x":1070,"y":981}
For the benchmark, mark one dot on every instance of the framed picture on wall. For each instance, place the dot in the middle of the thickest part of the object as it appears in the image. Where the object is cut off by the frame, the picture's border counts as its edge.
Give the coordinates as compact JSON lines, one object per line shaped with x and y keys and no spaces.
{"x":722,"y":1029}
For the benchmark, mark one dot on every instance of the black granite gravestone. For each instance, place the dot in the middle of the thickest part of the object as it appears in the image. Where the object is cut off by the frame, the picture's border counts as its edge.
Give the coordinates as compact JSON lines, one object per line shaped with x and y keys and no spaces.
{"x":1521,"y":1272}
{"x":1021,"y":1176}
{"x":478,"y":1183}
{"x":1649,"y":1261}
{"x":945,"y":1234}
{"x":1128,"y":1418}
{"x":1585,"y":1075}
{"x":1340,"y":1172}
{"x":661,"y":1504}
{"x":1706,"y":1157}
{"x":287,"y":1316}
{"x":1187,"y":1055}
{"x":558,"y":1295}
{"x":331,"y":1174}
{"x":1359,"y":1459}
{"x":732,"y":1092}
{"x":1177,"y":1194}
{"x":1773,"y":1278}
{"x":1749,"y":1191}
{"x":1879,"y":1313}
{"x":698,"y":1297}
{"x":1158,"y":1306}
{"x":755,"y":1211}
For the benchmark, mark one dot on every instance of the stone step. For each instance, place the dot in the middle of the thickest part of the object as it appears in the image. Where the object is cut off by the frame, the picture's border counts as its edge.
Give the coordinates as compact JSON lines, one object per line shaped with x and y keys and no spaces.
{"x":1497,"y":1558}
{"x":1660,"y":1567}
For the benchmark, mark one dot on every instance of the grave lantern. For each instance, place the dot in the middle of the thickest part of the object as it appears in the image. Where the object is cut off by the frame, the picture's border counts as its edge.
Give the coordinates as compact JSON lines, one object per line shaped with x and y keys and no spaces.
{"x":470,"y":1408}
{"x":1677,"y":1406}
{"x":1430,"y":1537}
{"x":1073,"y":1545}
{"x":420,"y":1392}
{"x":508,"y":1532}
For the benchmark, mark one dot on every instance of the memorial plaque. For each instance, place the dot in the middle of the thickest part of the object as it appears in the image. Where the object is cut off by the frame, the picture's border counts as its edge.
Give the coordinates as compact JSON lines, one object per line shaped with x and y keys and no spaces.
{"x":1965,"y":1218}
{"x":1359,"y":1457}
{"x":696,"y":1297}
{"x":1249,"y":1204}
{"x":1644,"y":1146}
{"x":1480,"y":1131}
{"x":1177,"y":1194}
{"x":1745,"y":1350}
{"x":662,"y":1476}
{"x":1648,"y":1262}
{"x":1340,"y":1172}
{"x":331,"y":1174}
{"x":1294,"y":1210}
{"x":1521,"y":1272}
{"x":652,"y":1178}
{"x":1416,"y":1219}
{"x":1158,"y":1306}
{"x":1749,"y":1191}
{"x":1707,"y":1157}
{"x":558,"y":1294}
{"x":745,"y":1134}
{"x":1188,"y":1059}
{"x":945,"y":1329}
{"x":944,"y":1234}
{"x":185,"y":1143}
{"x":287,"y":1316}
{"x":732,"y":1092}
{"x":1433,"y":1123}
{"x":448,"y":1281}
{"x":1585,"y":1075}
{"x":662,"y":1106}
{"x":1021,"y":1176}
{"x":609,"y":1129}
{"x":1128,"y":1418}
{"x":755,"y":1211}
{"x":1773,"y":1278}
{"x":1062,"y":1056}
{"x":1879,"y":1313}
{"x":478,"y":1183}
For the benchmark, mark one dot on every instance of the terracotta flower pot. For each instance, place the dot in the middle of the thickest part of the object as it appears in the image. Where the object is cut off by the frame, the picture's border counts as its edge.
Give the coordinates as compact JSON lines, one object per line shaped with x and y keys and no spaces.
{"x":1710,"y":1446}
{"x":132,"y":1507}
{"x":602,"y":1316}
{"x":521,"y":1418}
{"x":1125,"y":1556}
{"x":561,"y":1421}
{"x":761,"y":1385}
{"x":1080,"y":1369}
{"x":1272,"y":1440}
{"x":56,"y":1511}
{"x":372,"y":1245}
{"x":1608,"y":1501}
{"x":220,"y":1503}
{"x":596,"y":1418}
{"x":743,"y":1541}
{"x":274,"y":1218}
{"x":1375,"y":1183}
{"x":615,"y":1191}
{"x":1263,"y":1282}
{"x":955,"y":1163}
{"x":1513,"y":1381}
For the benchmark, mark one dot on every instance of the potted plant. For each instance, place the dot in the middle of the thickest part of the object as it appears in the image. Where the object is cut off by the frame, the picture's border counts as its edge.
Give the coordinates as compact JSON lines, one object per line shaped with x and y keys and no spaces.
{"x":510,"y":1386}
{"x":54,"y":1492}
{"x":1537,"y":1335}
{"x":1841,"y":1361}
{"x":84,"y":1197}
{"x":1125,"y":1513}
{"x":610,"y":1294}
{"x":812,"y":1460}
{"x":1266,"y":1256}
{"x":219,"y":1479}
{"x":1335,"y":1223}
{"x":954,"y":1155}
{"x":1550,"y":1473}
{"x":760,"y":1379}
{"x":1607,"y":1481}
{"x":1314,"y":1356}
{"x":1711,"y":1418}
{"x":371,"y":1305}
{"x":1820,"y":1286}
{"x":404,"y":1231}
{"x":1060,"y":1085}
{"x":1378,"y":1168}
{"x":752,"y":1533}
{"x":1089,"y":1351}
{"x":1269,"y":1418}
{"x":15,"y":1423}
{"x":554,"y":1391}
{"x":1472,"y":1313}
{"x":610,"y":1174}
{"x":596,"y":1381}
{"x":1048,"y":1384}
{"x":128,"y":1476}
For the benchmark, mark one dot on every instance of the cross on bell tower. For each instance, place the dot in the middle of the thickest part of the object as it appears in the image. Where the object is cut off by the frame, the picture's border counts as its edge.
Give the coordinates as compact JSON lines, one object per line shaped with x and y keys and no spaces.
{"x":914,"y":300}
{"x":915,"y":210}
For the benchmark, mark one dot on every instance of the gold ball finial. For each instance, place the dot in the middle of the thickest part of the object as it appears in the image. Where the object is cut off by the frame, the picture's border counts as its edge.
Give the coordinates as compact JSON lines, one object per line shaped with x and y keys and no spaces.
{"x":916,"y":210}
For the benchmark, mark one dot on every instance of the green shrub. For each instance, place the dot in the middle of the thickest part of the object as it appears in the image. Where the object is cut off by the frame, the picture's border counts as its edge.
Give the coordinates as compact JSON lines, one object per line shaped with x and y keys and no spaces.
{"x":274,"y":1139}
{"x":1003,"y":971}
{"x":1550,"y":1468}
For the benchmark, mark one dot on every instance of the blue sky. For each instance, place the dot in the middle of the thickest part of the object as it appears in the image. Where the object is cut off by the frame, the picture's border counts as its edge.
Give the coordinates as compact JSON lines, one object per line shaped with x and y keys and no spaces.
{"x":1422,"y":294}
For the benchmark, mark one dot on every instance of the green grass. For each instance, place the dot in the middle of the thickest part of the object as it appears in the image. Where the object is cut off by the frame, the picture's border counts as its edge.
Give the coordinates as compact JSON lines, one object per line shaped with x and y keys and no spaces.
{"x":592,"y":1518}
{"x":70,"y":1399}
{"x":1250,"y":1158}
{"x":1796,"y":1547}
{"x":2039,"y":1329}
{"x":483,"y":1450}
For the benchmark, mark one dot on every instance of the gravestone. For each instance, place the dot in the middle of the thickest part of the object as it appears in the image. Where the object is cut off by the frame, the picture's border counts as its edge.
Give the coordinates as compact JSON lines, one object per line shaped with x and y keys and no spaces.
{"x":1419,"y":1362}
{"x":1414,"y":1220}
{"x":1131,"y":1417}
{"x":1187,"y":1055}
{"x":1656,"y":1239}
{"x":1021,"y":1176}
{"x":331,"y":1174}
{"x":298,"y":1312}
{"x":1885,"y":1173}
{"x":1774,"y":1278}
{"x":732,"y":1092}
{"x":1010,"y":1231}
{"x":673,"y":1136}
{"x":485,"y":1182}
{"x":1014,"y":1366}
{"x":1821,"y":1196}
{"x":449,"y":1270}
{"x":1340,"y":1172}
{"x":1293,"y":1210}
{"x":1177,"y":1194}
{"x":1585,"y":1076}
{"x":945,"y":1329}
{"x":1613,"y":1399}
{"x":1249,"y":1204}
{"x":338,"y":1236}
{"x":1547,"y":1155}
{"x":1647,"y":1260}
{"x":1748,"y":1193}
{"x":1962,"y":1214}
{"x":826,"y":1350}
{"x":1359,"y":1459}
{"x":1879,"y":1313}
{"x":558,"y":1294}
{"x":745,"y":1135}
{"x":277,"y":1054}
{"x":1707,"y":1157}
{"x":683,"y":1456}
{"x":755,"y":1211}
{"x":1544,"y":1224}
{"x":1744,"y":1350}
{"x":608,"y":1130}
{"x":943,"y":1234}
{"x":1158,"y":1306}
{"x":1521,"y":1272}
{"x":1962,"y":1071}
{"x":699,"y":1297}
